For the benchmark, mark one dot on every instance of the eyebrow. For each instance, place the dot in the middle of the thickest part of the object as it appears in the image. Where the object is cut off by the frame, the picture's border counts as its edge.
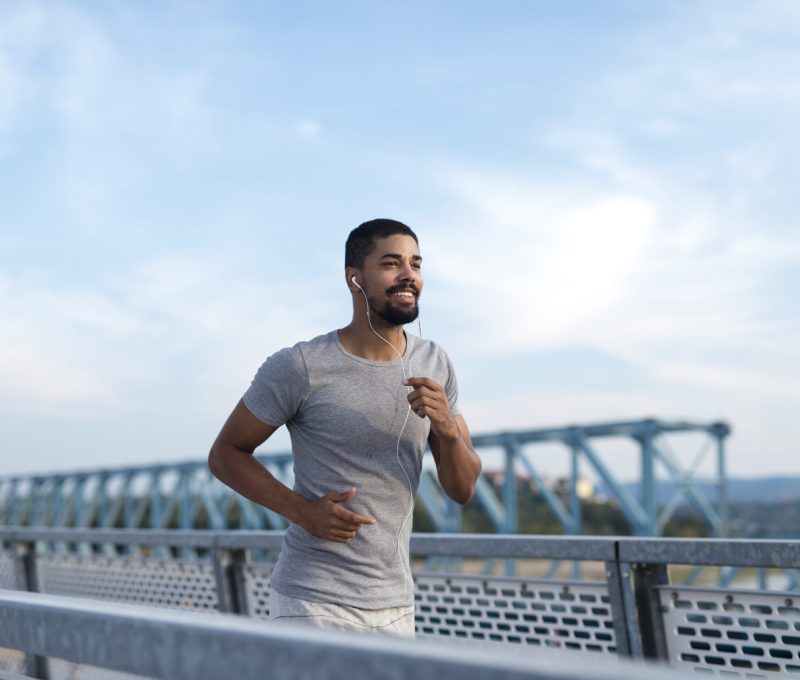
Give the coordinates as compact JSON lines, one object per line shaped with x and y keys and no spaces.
{"x":398,"y":256}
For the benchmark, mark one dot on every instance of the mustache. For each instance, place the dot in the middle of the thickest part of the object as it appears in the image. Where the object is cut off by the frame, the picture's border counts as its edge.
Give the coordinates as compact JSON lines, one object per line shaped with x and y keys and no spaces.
{"x":405,"y":286}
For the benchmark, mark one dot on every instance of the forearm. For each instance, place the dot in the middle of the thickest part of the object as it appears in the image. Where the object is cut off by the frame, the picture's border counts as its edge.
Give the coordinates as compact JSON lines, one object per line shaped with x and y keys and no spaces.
{"x":242,"y":472}
{"x":458,"y":467}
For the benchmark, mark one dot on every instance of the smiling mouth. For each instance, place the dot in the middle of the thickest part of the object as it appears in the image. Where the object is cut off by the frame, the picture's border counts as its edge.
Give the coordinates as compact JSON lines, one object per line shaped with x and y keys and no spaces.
{"x":406,"y":294}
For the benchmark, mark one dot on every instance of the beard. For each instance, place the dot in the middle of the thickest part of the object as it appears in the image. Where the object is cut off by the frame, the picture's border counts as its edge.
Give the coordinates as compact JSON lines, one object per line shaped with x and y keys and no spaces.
{"x":393,"y":316}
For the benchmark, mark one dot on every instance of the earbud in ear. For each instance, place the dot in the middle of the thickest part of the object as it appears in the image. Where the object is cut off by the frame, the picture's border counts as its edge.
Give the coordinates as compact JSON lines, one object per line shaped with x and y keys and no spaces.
{"x":353,"y":279}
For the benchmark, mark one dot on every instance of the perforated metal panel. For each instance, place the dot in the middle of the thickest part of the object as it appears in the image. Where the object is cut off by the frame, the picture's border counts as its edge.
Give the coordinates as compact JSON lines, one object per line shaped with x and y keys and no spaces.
{"x":256,"y":584}
{"x":178,"y":584}
{"x":8,"y":573}
{"x":566,"y":615}
{"x":740,"y":634}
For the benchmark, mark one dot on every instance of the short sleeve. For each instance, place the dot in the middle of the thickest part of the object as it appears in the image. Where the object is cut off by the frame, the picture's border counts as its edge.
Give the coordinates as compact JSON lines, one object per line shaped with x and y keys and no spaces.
{"x":278,"y":388}
{"x":451,"y":389}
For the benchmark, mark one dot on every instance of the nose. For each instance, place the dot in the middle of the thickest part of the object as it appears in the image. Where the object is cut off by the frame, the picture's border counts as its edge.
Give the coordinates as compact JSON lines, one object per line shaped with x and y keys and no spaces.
{"x":407,"y":273}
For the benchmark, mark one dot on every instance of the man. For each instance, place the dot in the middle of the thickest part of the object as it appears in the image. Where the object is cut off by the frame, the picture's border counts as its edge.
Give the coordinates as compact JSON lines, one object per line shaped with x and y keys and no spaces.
{"x":359,"y":404}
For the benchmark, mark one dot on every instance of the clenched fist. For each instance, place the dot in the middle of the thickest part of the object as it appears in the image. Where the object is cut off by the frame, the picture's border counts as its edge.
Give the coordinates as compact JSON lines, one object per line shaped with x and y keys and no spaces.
{"x":428,"y":399}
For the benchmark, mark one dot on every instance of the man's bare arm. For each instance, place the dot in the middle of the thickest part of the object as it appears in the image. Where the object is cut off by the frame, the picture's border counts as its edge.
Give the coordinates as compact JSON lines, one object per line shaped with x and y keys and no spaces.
{"x":457,"y":464}
{"x":231,"y":460}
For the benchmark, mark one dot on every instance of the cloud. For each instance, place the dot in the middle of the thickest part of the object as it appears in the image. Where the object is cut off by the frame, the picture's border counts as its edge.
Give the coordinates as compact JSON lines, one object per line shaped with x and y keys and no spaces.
{"x":47,"y":348}
{"x":647,"y":214}
{"x":115,"y":115}
{"x":681,"y":169}
{"x":537,"y":264}
{"x":549,"y":262}
{"x":189,"y":325}
{"x":547,"y":409}
{"x":720,"y":79}
{"x":742,"y":380}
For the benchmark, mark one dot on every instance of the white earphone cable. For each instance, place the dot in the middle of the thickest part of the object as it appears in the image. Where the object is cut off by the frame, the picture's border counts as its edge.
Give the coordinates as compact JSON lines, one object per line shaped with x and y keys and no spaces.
{"x":399,"y":437}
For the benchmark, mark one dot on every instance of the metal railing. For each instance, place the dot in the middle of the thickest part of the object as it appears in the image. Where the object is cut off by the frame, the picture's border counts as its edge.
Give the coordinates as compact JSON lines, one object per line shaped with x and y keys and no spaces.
{"x":630,"y":608}
{"x":183,"y":646}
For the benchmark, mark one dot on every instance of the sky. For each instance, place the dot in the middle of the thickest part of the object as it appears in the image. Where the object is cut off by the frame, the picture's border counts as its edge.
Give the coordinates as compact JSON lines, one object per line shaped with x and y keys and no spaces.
{"x":605,"y":195}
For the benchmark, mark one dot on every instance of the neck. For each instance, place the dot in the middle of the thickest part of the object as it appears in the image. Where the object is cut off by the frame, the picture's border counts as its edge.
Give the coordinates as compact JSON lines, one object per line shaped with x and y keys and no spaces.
{"x":359,"y":339}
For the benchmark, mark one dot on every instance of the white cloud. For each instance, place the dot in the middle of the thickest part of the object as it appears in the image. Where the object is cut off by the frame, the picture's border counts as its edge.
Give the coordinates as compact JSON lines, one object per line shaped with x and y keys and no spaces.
{"x":540,"y":409}
{"x":114,"y":348}
{"x":754,"y":44}
{"x":683,"y":168}
{"x":47,"y":349}
{"x":662,"y":285}
{"x":33,"y":378}
{"x":536,"y":259}
{"x":606,"y":154}
{"x":735,"y":379}
{"x":110,"y":102}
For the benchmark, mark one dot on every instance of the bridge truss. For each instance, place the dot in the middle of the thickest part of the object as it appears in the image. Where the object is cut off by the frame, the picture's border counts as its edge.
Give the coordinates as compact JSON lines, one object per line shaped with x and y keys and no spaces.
{"x":185,"y":495}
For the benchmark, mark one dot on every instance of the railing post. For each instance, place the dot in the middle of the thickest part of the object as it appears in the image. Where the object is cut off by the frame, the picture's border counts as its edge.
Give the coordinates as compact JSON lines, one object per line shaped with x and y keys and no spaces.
{"x":229,"y":577}
{"x":720,"y":431}
{"x":648,"y":491}
{"x":575,"y":505}
{"x":27,"y":579}
{"x":641,"y":611}
{"x":619,"y":609}
{"x":646,"y":578}
{"x":510,"y":498}
{"x":236,"y":579}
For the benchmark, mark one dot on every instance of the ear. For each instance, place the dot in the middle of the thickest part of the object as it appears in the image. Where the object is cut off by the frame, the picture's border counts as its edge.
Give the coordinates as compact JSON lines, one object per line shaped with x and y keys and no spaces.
{"x":353,"y":278}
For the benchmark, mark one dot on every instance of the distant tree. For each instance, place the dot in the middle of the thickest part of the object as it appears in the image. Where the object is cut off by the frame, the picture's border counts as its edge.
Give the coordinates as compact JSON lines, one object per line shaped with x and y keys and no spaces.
{"x":686,"y":523}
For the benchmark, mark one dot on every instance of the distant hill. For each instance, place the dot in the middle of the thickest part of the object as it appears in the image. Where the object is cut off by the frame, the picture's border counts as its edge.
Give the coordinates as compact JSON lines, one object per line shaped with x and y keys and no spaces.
{"x":740,"y":490}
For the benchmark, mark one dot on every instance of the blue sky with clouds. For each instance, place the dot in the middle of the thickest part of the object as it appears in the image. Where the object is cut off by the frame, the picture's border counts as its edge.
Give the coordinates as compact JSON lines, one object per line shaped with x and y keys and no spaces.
{"x":605,"y":195}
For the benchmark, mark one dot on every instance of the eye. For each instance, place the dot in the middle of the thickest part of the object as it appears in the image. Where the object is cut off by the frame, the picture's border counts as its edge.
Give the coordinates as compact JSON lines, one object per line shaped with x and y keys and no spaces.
{"x":416,"y":265}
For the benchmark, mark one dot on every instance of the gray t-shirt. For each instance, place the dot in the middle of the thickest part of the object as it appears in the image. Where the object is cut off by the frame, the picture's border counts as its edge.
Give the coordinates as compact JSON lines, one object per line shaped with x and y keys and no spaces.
{"x":344,"y":416}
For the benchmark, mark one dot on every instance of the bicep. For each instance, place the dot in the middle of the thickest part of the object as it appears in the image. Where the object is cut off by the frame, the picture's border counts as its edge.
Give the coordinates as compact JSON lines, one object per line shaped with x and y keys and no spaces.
{"x":243,"y":430}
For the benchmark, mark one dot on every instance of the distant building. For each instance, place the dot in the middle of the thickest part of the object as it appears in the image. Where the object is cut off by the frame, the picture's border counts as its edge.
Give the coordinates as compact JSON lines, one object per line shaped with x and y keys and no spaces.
{"x":497,"y":477}
{"x":561,"y":485}
{"x":584,"y":488}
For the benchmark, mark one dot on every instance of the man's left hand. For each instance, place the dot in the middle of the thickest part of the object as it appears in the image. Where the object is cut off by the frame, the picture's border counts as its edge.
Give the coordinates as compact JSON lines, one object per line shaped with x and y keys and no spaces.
{"x":428,"y":399}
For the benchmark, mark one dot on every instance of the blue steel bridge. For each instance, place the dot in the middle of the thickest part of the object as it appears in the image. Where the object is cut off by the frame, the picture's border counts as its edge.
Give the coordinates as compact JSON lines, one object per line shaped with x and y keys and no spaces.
{"x":177,"y":494}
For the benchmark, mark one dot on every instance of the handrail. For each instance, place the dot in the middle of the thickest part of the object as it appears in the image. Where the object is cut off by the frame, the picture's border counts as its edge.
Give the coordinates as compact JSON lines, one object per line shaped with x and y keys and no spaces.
{"x":194,"y":646}
{"x":707,"y":552}
{"x":711,"y":552}
{"x":434,"y":544}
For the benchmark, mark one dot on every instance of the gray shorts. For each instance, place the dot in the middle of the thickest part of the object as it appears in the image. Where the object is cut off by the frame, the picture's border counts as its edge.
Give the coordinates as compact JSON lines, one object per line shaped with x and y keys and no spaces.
{"x":397,"y":621}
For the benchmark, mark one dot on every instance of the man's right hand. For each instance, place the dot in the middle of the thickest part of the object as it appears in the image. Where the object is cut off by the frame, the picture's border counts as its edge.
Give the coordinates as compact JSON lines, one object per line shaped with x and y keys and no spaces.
{"x":326,"y":518}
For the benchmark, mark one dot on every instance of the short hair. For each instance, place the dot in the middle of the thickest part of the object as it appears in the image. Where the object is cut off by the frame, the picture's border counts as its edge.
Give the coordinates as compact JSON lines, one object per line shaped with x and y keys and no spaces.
{"x":361,"y":240}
